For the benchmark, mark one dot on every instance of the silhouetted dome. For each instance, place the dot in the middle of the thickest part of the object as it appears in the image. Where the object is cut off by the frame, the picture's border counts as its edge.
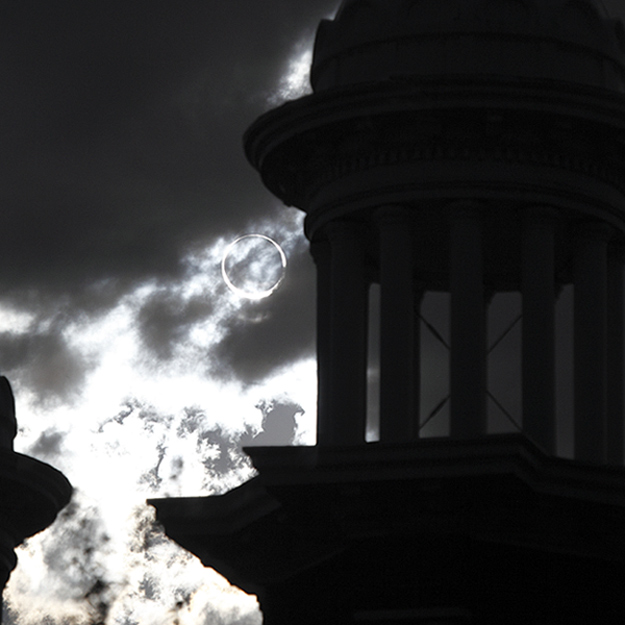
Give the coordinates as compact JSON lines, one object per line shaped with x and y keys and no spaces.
{"x":381,"y":40}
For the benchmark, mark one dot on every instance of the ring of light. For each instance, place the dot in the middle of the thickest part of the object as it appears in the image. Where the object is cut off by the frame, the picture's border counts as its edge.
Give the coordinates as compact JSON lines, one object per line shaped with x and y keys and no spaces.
{"x":255,"y":295}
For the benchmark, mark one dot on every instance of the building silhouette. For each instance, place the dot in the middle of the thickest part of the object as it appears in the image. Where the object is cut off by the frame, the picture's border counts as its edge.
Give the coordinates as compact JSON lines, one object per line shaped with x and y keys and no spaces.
{"x":32,"y":493}
{"x":471,"y":147}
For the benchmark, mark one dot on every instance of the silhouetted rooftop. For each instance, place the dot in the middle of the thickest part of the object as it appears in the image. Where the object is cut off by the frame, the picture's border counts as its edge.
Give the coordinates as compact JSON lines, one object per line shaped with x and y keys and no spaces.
{"x":557,"y":40}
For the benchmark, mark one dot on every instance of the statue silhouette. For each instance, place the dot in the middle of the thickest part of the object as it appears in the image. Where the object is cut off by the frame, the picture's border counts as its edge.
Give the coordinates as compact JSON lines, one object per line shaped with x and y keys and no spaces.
{"x":8,"y":423}
{"x":32,"y":493}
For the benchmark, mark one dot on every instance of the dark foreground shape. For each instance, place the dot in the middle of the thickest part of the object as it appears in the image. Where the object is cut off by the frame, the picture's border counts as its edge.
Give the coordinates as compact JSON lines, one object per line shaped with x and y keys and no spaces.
{"x":487,"y":532}
{"x":471,"y":148}
{"x":32,"y":493}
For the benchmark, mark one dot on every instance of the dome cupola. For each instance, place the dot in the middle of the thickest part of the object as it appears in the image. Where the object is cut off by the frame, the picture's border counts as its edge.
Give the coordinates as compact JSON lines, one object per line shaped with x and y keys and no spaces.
{"x":371,"y":41}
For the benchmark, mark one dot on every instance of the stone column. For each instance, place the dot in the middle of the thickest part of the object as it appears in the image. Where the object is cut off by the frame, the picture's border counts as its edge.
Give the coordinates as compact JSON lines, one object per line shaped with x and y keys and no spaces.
{"x":468,"y":337}
{"x":590,"y":317}
{"x":538,"y":338}
{"x":615,"y":407}
{"x":321,"y":253}
{"x":345,"y":420}
{"x":397,"y":324}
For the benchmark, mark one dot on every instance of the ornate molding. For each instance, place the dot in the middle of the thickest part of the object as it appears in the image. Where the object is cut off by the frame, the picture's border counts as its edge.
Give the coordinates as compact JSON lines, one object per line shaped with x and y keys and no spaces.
{"x":325,"y":166}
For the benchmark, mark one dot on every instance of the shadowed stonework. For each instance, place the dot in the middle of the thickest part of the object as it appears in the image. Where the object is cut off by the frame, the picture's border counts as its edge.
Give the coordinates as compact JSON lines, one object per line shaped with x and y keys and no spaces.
{"x":472,"y":148}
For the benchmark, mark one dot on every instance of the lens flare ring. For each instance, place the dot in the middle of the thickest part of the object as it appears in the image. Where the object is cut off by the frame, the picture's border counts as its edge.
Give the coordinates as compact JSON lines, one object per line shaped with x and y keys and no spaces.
{"x":252,"y":295}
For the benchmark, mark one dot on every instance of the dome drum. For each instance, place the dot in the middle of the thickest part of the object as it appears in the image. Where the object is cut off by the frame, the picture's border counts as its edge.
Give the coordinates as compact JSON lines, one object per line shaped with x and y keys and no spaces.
{"x":305,"y":144}
{"x":331,"y":155}
{"x":557,"y":40}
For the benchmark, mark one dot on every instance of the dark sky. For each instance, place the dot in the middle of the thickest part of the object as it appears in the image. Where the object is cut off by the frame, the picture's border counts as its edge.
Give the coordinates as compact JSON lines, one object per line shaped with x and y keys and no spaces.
{"x":121,"y":154}
{"x":120,"y":147}
{"x":121,"y":126}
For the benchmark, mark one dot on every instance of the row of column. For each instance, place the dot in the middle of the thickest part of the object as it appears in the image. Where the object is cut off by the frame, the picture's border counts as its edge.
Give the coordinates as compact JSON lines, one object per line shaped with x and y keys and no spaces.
{"x":342,"y":327}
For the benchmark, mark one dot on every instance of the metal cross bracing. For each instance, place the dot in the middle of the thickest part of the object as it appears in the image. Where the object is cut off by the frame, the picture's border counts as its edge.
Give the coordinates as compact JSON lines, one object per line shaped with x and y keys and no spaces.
{"x":441,"y":404}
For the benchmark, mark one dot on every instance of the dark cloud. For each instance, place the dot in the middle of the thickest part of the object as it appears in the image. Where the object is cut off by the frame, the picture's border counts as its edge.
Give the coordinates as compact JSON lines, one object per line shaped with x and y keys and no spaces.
{"x":213,"y":617}
{"x":9,"y":616}
{"x":121,"y":151}
{"x":147,"y":534}
{"x":152,"y":478}
{"x":123,"y":124}
{"x":46,"y":362}
{"x":165,"y":322}
{"x":146,"y":413}
{"x":218,"y":450}
{"x":74,"y":555}
{"x":149,"y":588}
{"x":192,"y":420}
{"x":273,"y":332}
{"x":48,"y":446}
{"x":279,"y":425}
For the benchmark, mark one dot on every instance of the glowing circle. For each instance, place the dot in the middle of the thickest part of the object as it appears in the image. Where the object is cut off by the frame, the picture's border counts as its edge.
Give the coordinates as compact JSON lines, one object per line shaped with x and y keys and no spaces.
{"x":250,"y":267}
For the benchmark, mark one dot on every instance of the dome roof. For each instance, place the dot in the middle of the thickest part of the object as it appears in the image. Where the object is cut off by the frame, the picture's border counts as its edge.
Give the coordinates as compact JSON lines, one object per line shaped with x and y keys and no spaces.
{"x":381,"y":40}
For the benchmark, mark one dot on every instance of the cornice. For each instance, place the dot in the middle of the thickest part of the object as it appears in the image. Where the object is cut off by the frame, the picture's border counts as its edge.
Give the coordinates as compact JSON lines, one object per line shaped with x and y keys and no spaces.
{"x":313,"y":141}
{"x":322,"y":109}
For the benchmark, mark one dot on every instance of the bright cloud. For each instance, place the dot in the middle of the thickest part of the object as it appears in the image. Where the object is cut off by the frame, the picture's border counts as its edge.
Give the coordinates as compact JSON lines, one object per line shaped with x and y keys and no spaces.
{"x":149,"y":423}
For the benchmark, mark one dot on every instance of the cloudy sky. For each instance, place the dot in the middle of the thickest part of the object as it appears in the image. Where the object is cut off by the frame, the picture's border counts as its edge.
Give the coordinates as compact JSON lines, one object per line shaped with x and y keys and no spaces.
{"x":137,"y":372}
